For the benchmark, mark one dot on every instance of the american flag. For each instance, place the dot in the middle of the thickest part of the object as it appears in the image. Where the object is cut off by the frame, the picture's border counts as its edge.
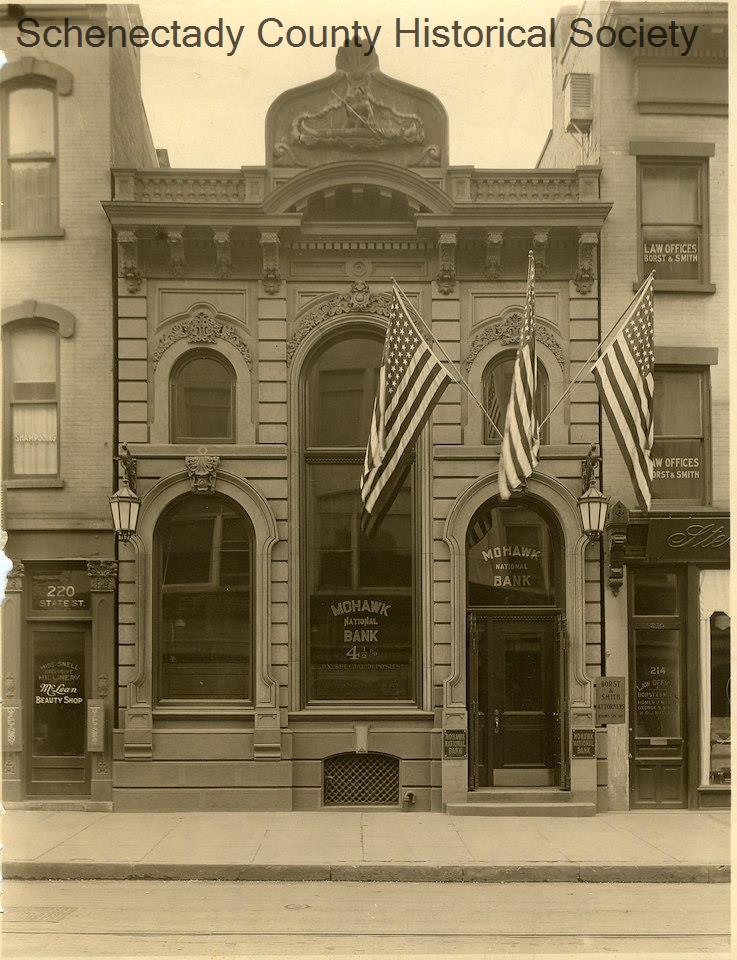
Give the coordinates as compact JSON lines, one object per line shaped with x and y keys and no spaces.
{"x":624,"y":376}
{"x":521,"y":442}
{"x":411,"y":380}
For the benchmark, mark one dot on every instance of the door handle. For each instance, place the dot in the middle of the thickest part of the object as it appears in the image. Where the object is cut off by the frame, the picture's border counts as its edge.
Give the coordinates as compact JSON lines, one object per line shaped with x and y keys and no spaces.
{"x":496,"y":721}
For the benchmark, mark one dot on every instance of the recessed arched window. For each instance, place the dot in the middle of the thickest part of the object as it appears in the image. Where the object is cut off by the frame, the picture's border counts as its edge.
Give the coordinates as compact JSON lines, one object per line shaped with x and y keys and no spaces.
{"x":204,"y":604}
{"x":202,"y":399}
{"x":30,"y":171}
{"x":360,"y":592}
{"x":497,"y":386}
{"x":32,"y":400}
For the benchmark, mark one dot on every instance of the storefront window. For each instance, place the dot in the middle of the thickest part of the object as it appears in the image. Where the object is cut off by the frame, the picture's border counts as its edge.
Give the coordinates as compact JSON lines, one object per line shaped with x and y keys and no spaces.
{"x":680,"y":413}
{"x":509,"y":553}
{"x":360,"y":597}
{"x":204,"y":547}
{"x":720,"y":751}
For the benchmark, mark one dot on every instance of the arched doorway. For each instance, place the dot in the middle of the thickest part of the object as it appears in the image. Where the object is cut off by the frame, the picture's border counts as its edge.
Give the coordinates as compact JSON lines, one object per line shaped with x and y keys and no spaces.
{"x":516,"y":663}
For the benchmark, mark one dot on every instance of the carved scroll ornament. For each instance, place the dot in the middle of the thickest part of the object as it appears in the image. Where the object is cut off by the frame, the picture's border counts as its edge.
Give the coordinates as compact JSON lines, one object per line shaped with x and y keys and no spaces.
{"x":507,"y":331}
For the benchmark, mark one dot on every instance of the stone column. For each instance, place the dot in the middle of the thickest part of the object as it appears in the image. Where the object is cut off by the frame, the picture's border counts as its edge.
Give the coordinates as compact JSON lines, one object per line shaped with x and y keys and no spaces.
{"x":13,"y":740}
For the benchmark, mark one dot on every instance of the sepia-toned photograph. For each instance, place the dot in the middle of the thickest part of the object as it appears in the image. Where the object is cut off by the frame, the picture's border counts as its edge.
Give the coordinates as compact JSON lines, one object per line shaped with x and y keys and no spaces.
{"x":364,"y":521}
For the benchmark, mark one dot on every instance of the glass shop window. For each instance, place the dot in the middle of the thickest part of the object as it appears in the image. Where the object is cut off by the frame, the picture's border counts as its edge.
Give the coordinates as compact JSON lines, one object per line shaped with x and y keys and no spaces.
{"x":30,"y":159}
{"x":720,"y":746}
{"x":204,"y":547}
{"x":202,"y":400}
{"x":496,"y":384}
{"x":673,"y":226}
{"x":681,"y":427}
{"x":33,"y":401}
{"x":360,"y":630}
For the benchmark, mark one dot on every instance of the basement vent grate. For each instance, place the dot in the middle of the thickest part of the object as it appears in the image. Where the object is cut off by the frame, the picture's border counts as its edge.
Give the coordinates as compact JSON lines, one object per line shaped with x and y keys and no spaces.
{"x":355,"y":779}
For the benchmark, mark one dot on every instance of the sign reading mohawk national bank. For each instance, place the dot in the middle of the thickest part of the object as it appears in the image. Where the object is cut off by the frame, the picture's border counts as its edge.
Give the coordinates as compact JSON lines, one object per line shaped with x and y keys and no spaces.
{"x":417,"y":32}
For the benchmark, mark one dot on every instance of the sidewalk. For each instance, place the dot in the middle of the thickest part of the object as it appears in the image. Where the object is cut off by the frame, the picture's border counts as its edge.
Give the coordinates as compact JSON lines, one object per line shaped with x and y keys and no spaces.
{"x":663,"y":847}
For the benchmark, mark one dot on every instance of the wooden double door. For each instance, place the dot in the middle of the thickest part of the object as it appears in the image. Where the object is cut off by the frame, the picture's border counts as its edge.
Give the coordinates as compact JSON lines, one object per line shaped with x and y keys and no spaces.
{"x":516,"y":696}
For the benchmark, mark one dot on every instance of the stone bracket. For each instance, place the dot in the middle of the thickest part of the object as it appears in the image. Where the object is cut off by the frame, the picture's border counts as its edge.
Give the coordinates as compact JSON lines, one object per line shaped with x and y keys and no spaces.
{"x":494,"y":248}
{"x":128,"y":260}
{"x":270,"y":275}
{"x":446,"y":278}
{"x":540,"y":240}
{"x":266,"y":734}
{"x":175,"y":242}
{"x":223,"y":253}
{"x":138,"y":733}
{"x":586,"y":272}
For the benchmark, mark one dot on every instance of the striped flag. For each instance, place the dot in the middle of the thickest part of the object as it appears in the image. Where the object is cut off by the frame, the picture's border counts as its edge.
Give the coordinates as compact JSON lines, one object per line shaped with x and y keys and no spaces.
{"x":411,"y":380}
{"x":521,"y":442}
{"x":624,"y":376}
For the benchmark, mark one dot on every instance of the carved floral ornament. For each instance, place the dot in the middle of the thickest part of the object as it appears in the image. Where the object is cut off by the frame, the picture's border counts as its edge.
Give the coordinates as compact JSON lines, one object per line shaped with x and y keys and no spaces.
{"x":202,"y":325}
{"x":103,"y":575}
{"x":507,"y":331}
{"x":14,"y":583}
{"x":359,"y":299}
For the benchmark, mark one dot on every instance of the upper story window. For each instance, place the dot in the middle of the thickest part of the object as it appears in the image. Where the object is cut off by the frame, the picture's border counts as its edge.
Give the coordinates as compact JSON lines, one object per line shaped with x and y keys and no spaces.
{"x":674,"y":220}
{"x":681,"y":453}
{"x":203,"y":611}
{"x":202,"y":400}
{"x":497,"y":387}
{"x":30,"y":165}
{"x":360,"y":594}
{"x":32,"y":401}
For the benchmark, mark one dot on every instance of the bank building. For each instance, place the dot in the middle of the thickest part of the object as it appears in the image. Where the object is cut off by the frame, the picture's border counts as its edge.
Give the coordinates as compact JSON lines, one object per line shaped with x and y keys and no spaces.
{"x":207,"y":344}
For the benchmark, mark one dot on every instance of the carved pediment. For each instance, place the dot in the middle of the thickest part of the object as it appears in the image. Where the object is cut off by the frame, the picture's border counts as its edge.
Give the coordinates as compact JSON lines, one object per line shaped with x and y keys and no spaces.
{"x":358,"y":110}
{"x":202,"y":324}
{"x":507,"y":332}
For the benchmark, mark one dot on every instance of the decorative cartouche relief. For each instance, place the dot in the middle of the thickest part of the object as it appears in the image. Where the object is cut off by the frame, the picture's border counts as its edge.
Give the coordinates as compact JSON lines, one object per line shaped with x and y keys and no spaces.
{"x":202,"y":472}
{"x":203,"y":325}
{"x":507,"y":331}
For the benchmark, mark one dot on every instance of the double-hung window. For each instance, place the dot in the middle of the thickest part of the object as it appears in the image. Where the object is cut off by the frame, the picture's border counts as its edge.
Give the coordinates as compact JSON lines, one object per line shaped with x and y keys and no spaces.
{"x":32,"y":392}
{"x":681,"y":450}
{"x":30,"y":171}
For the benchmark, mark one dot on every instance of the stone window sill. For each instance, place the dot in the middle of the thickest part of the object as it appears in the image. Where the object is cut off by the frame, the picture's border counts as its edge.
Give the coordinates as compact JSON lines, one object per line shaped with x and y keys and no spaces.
{"x":35,"y":483}
{"x":50,"y":233}
{"x":678,"y":286}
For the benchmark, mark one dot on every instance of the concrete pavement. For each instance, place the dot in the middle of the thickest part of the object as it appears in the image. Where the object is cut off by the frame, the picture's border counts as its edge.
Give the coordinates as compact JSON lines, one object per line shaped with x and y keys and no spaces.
{"x":667,"y":846}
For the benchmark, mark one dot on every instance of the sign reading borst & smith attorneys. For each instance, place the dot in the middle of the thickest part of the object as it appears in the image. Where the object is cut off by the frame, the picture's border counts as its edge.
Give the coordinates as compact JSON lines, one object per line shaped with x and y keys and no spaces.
{"x":688,"y":538}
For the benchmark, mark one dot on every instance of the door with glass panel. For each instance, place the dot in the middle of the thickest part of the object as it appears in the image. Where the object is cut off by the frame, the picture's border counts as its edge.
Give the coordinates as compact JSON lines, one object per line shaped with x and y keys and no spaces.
{"x":57,"y":764}
{"x":658,"y":761}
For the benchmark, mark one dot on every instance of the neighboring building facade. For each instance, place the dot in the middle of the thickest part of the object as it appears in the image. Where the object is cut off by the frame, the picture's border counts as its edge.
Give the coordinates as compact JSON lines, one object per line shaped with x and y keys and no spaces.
{"x":269,"y":655}
{"x":65,"y":121}
{"x":657,"y":124}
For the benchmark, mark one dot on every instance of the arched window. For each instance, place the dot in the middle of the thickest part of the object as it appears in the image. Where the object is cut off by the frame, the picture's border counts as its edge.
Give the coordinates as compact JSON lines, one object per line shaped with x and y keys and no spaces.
{"x":202,"y":399}
{"x":497,"y":386}
{"x":32,"y":400}
{"x":359,"y":637}
{"x":30,"y":171}
{"x":204,"y":603}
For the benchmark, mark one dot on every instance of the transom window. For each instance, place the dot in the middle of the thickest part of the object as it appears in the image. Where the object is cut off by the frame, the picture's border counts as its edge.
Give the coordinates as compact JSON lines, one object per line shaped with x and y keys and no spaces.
{"x":30,"y":158}
{"x":360,"y":592}
{"x":204,"y":555}
{"x":202,"y":399}
{"x":32,"y":360}
{"x":497,"y":387}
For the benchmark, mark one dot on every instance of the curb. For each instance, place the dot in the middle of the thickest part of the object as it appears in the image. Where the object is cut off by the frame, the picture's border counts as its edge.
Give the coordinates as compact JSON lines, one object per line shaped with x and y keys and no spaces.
{"x":375,"y":872}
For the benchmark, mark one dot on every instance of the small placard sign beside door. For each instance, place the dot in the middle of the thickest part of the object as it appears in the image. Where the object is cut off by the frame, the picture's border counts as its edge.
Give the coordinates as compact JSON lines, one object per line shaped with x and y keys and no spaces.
{"x":583,"y":744}
{"x":454,"y":744}
{"x":610,"y":703}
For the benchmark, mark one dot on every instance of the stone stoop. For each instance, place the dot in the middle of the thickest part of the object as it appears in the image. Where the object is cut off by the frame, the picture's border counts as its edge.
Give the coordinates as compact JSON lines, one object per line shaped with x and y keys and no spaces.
{"x":514,"y":802}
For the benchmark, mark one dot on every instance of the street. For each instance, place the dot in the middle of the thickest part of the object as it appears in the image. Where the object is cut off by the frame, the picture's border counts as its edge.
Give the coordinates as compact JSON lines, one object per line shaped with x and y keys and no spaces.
{"x":211,"y":919}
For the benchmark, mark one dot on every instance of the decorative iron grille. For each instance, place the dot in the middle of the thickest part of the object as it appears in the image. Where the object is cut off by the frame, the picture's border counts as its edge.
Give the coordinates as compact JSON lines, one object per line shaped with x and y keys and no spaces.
{"x":358,"y":779}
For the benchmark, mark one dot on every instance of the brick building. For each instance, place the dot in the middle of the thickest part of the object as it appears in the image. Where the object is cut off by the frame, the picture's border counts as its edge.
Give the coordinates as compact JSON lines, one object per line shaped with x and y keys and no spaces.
{"x":66,"y":120}
{"x":657,"y":125}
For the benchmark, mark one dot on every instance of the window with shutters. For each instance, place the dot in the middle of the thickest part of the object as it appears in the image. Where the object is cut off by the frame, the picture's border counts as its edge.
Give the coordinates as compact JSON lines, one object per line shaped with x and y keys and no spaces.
{"x":32,"y":401}
{"x":30,"y":160}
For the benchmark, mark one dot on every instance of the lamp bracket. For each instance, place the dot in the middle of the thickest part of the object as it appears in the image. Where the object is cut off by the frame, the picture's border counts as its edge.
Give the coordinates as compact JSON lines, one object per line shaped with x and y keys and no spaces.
{"x":589,"y":467}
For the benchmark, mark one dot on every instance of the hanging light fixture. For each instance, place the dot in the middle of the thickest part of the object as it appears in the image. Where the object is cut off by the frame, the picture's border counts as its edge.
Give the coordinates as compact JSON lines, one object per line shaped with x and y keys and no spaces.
{"x":593,"y":506}
{"x":124,"y":506}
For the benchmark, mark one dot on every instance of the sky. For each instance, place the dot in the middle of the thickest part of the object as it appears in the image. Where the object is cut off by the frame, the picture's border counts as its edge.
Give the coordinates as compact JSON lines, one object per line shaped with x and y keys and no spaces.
{"x":208,"y":109}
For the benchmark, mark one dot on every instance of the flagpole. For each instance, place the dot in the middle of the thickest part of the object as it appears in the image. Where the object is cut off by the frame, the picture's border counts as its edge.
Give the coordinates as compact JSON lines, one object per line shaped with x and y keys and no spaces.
{"x":460,"y":380}
{"x":609,"y":336}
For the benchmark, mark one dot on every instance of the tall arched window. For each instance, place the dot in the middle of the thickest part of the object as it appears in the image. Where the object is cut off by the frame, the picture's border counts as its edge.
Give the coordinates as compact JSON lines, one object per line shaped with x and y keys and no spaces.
{"x":359,"y":637}
{"x":32,"y":400}
{"x":204,"y":603}
{"x":30,"y":157}
{"x":202,"y":399}
{"x":497,"y":386}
